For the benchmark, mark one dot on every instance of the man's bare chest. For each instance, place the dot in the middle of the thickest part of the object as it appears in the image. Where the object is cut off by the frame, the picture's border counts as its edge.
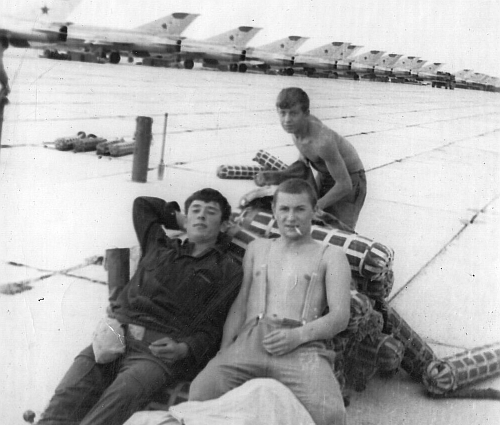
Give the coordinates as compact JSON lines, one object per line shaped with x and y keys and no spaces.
{"x":309,"y":150}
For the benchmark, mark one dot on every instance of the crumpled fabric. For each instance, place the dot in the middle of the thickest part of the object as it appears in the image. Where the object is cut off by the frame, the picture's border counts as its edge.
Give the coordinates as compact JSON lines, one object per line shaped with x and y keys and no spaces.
{"x":108,"y":340}
{"x":259,"y":401}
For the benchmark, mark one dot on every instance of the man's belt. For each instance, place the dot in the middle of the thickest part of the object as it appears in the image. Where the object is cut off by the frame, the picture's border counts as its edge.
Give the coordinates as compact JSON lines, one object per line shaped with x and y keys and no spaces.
{"x":141,"y":333}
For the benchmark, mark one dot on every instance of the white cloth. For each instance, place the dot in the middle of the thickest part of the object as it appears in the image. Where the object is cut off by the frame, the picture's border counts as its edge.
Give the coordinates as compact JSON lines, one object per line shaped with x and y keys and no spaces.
{"x":257,"y":402}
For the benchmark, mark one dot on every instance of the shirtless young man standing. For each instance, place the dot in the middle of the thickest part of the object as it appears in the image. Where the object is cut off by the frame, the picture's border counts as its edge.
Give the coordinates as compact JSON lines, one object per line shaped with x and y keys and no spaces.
{"x":341,"y":178}
{"x":276,"y":325}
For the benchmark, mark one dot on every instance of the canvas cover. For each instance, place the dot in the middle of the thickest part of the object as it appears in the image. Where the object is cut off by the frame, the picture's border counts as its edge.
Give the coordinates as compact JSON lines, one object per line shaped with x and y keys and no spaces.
{"x":257,"y":402}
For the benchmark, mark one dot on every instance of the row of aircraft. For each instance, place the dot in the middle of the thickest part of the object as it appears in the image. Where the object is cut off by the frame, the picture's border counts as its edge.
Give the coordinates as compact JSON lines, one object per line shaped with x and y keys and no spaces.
{"x":162,"y":38}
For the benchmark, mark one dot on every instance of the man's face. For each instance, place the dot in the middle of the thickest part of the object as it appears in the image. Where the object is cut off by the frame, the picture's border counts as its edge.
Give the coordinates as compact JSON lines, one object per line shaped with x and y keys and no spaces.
{"x":203,"y":222}
{"x":293,"y":119}
{"x":292,"y":212}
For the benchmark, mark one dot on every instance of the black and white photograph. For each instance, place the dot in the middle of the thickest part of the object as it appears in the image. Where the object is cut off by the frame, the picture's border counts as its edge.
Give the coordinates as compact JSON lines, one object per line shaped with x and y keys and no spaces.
{"x":245,"y":212}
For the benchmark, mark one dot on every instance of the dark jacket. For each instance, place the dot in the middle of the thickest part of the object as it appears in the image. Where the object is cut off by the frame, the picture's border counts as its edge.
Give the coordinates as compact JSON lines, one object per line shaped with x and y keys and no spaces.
{"x":172,"y":292}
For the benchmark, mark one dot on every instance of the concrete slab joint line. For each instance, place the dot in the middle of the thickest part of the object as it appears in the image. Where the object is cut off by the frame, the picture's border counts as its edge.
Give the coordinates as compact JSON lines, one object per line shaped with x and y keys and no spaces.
{"x":357,"y":134}
{"x":430,"y":150}
{"x":446,"y":245}
{"x":24,"y":285}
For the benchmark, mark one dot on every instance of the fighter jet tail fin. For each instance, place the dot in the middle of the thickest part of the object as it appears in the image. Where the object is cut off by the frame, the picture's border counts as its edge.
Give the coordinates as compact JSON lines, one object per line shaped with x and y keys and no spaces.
{"x":48,"y":10}
{"x":288,"y":45}
{"x":170,"y":25}
{"x":238,"y":37}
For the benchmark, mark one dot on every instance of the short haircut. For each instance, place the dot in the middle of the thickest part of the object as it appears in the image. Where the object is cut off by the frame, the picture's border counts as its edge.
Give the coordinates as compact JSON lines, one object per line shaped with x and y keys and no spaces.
{"x":291,"y":96}
{"x":4,"y":41}
{"x":209,"y":195}
{"x":296,"y":187}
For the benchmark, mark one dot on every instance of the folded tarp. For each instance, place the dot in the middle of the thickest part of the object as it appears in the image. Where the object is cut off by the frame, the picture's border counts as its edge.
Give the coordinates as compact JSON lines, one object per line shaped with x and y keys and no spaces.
{"x":257,"y":402}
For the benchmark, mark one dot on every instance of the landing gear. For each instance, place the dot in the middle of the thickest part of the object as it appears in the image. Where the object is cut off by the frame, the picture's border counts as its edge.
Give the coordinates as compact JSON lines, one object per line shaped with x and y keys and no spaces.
{"x":188,"y":64}
{"x":242,"y":67}
{"x":54,"y":54}
{"x":114,"y":57}
{"x":309,"y":71}
{"x":265,"y":68}
{"x":233,"y":67}
{"x":289,"y":71}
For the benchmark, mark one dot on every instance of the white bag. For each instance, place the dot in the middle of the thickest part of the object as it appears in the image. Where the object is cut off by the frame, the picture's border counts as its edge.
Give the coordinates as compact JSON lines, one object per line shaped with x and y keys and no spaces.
{"x":108,"y":340}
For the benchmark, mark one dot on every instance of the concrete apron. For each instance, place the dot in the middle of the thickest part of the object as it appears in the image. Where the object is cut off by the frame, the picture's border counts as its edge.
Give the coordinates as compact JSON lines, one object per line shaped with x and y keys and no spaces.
{"x":432,"y":158}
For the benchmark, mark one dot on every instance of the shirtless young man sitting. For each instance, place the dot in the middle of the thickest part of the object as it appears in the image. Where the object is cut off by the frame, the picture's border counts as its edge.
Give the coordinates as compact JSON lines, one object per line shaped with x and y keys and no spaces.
{"x":341,"y":178}
{"x":276,"y":325}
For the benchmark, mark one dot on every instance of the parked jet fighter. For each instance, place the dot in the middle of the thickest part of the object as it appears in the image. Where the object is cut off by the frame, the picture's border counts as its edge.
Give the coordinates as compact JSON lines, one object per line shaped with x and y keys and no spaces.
{"x":463,"y":75}
{"x":278,"y":54}
{"x":344,"y":60}
{"x":492,"y":84}
{"x":49,"y":30}
{"x":385,"y":65}
{"x":403,"y":67}
{"x":161,"y":37}
{"x":227,"y":48}
{"x":480,"y":81}
{"x":363,"y":64}
{"x":468,"y":79}
{"x":417,"y":66}
{"x":45,"y":23}
{"x":429,"y":71}
{"x":321,"y":59}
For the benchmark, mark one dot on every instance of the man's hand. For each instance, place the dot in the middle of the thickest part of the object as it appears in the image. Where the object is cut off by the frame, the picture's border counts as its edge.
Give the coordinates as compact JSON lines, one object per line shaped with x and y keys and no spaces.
{"x":260,"y":179}
{"x":281,"y":341}
{"x":255,"y":194}
{"x":169,"y":350}
{"x":330,"y":220}
{"x":233,"y":227}
{"x":319,"y":214}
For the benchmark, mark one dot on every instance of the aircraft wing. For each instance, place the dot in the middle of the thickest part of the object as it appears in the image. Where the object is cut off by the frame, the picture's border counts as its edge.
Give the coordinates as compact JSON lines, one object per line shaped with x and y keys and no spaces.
{"x":47,"y":31}
{"x":122,"y":44}
{"x":254,"y":62}
{"x":106,"y":43}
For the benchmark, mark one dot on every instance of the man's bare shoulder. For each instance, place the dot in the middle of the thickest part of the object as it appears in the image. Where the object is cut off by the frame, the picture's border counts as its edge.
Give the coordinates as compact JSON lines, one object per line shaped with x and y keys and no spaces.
{"x":315,"y":251}
{"x":334,"y":255}
{"x":258,"y":245}
{"x":323,"y":132}
{"x":324,"y":138}
{"x":256,"y":253}
{"x":335,"y":264}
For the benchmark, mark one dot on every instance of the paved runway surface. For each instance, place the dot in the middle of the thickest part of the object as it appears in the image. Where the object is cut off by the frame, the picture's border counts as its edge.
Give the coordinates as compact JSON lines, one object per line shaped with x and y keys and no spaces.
{"x":432,"y":159}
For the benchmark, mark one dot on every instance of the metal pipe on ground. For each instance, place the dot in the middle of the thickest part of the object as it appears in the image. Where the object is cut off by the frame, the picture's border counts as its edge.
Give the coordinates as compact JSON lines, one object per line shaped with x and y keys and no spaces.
{"x":141,"y":149}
